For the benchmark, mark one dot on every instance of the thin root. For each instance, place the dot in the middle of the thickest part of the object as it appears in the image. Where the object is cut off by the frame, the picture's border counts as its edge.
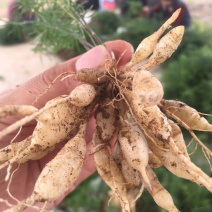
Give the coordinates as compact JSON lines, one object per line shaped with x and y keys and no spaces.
{"x":8,"y":172}
{"x":207,"y":157}
{"x":6,"y":202}
{"x":4,"y":164}
{"x":49,"y":86}
{"x":190,"y":142}
{"x":139,"y":193}
{"x":18,"y":201}
{"x":112,"y":196}
{"x":16,"y":135}
{"x":70,"y":75}
{"x":43,"y":207}
{"x":8,"y":186}
{"x":194,"y":149}
{"x":91,"y":154}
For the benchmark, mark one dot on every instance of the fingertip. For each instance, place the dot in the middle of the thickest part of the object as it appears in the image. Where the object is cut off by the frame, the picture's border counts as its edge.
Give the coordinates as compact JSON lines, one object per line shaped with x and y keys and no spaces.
{"x":94,"y":58}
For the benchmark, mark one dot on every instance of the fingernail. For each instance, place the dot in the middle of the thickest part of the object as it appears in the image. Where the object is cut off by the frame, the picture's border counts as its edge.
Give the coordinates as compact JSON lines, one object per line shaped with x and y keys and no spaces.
{"x":94,"y":58}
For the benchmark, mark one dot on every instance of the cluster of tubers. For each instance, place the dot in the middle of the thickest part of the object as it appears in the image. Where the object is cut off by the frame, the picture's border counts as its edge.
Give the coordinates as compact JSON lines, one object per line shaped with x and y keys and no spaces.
{"x":118,"y":96}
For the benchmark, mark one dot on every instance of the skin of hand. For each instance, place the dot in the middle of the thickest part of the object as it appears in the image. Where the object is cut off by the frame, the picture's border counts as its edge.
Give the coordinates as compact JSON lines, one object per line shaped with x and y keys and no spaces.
{"x":25,"y":177}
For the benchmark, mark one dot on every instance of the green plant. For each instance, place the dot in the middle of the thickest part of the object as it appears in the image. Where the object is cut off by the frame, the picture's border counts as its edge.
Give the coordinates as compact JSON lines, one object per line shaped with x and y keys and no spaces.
{"x":195,"y":37}
{"x":93,"y":191}
{"x":189,"y":79}
{"x":58,"y":24}
{"x":134,"y":9}
{"x":105,"y":23}
{"x":141,"y":27}
{"x":10,"y":34}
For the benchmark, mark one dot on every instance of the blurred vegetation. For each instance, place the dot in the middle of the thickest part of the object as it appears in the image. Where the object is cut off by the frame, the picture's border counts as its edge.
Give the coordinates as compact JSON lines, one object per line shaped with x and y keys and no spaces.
{"x":187,"y":76}
{"x":54,"y":24}
{"x":197,"y":36}
{"x":138,"y":29}
{"x":134,"y":9}
{"x":91,"y":201}
{"x":105,"y":23}
{"x":94,"y":193}
{"x":10,"y":34}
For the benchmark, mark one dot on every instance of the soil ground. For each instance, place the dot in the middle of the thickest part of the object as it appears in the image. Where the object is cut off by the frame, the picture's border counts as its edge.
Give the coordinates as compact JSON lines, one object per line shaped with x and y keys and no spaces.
{"x":19,"y":63}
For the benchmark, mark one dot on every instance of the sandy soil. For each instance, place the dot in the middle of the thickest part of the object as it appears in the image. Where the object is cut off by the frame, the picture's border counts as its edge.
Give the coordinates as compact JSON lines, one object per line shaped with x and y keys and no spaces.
{"x":19,"y":63}
{"x":201,"y":10}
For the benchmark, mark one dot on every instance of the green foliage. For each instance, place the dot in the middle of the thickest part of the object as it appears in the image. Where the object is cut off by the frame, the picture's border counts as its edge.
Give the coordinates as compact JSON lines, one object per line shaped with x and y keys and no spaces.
{"x":189,"y":79}
{"x":187,"y":195}
{"x":10,"y":34}
{"x":134,"y":8}
{"x":187,"y":76}
{"x":105,"y":23}
{"x":194,"y":37}
{"x":90,"y":195}
{"x":146,"y":203}
{"x":57,"y":24}
{"x":53,"y":38}
{"x":138,"y":29}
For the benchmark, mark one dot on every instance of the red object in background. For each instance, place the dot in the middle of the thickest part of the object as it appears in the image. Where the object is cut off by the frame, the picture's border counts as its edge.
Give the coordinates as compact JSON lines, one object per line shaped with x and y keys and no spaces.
{"x":108,"y":5}
{"x":12,"y":10}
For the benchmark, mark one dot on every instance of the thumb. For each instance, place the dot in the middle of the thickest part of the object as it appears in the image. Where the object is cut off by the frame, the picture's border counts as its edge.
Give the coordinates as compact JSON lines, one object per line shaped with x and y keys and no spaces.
{"x":95,"y":58}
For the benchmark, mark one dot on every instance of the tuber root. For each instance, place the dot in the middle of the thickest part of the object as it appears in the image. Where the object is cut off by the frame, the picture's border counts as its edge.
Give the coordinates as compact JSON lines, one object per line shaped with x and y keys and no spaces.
{"x":132,"y":134}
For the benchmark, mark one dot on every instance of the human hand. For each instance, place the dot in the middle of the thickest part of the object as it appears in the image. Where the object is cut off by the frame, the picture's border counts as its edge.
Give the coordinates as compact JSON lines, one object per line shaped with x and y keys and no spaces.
{"x":25,"y":177}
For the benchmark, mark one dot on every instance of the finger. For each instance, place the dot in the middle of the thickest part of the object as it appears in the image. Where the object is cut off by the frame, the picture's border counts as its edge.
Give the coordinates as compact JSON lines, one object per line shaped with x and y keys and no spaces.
{"x":121,"y":49}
